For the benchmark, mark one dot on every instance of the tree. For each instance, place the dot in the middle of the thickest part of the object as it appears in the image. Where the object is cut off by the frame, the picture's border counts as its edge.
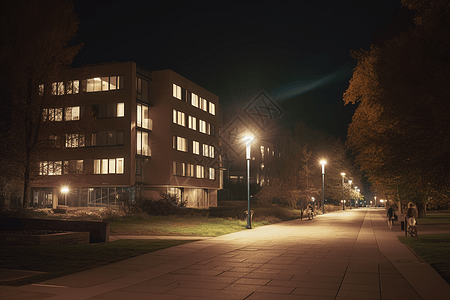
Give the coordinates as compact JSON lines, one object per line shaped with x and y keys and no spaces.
{"x":400,"y":131}
{"x":34,"y":49}
{"x":297,"y":177}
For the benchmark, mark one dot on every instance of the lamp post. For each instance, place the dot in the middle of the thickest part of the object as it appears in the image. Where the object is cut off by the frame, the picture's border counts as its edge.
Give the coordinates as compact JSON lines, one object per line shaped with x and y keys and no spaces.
{"x":343,"y":200}
{"x":350,"y":189}
{"x":248,"y":140}
{"x":323,"y":163}
{"x":64,"y":191}
{"x":375,"y":201}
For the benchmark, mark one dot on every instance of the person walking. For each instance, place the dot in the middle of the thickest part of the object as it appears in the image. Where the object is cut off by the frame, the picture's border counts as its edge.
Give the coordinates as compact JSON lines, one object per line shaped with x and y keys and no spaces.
{"x":411,"y":214}
{"x":390,"y":216}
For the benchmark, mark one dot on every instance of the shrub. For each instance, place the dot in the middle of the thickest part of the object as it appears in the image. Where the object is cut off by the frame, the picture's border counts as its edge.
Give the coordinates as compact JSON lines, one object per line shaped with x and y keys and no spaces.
{"x":165,"y":206}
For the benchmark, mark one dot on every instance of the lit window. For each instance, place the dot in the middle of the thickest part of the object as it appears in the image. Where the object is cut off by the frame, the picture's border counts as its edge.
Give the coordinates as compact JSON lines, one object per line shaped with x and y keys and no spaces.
{"x":104,"y":166}
{"x":194,"y":100}
{"x":181,"y":144}
{"x":192,"y":123}
{"x":41,"y":89}
{"x":196,"y":147}
{"x":142,"y":145}
{"x":212,"y":173}
{"x":119,"y":165}
{"x":202,"y":126}
{"x":120,"y":110}
{"x":114,"y":82}
{"x":97,"y":166}
{"x":108,"y":83}
{"x":142,"y":118}
{"x":109,"y":166}
{"x":211,"y":151}
{"x":200,"y":171}
{"x":58,"y":88}
{"x":73,"y":87}
{"x":72,"y":113}
{"x":203,"y":104}
{"x":176,"y":91}
{"x":190,"y":170}
{"x":112,"y":165}
{"x":94,"y":84}
{"x":205,"y":150}
{"x":75,"y":140}
{"x":52,"y":114}
{"x":212,"y":108}
{"x":50,"y":168}
{"x":179,"y":118}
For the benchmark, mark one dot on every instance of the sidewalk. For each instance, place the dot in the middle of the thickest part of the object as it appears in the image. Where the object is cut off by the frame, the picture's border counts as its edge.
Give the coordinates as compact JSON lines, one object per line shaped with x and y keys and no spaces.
{"x":348,"y":255}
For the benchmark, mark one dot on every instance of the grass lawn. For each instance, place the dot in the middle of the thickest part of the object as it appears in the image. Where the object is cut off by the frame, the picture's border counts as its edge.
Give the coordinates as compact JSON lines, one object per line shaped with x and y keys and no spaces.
{"x":435,"y":218}
{"x":434,"y":249}
{"x":59,"y":260}
{"x":173,"y":225}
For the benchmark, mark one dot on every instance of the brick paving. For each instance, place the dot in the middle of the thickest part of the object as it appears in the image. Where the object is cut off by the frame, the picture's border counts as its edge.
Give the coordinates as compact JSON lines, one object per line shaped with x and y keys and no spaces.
{"x":343,"y":255}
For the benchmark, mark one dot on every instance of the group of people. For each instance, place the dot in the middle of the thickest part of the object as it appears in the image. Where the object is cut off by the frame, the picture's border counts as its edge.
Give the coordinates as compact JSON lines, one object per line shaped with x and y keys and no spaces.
{"x":411,"y":215}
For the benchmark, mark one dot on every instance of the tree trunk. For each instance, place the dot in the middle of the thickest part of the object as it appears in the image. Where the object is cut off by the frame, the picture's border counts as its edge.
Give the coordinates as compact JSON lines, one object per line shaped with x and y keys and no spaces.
{"x":26,"y":189}
{"x":421,"y":209}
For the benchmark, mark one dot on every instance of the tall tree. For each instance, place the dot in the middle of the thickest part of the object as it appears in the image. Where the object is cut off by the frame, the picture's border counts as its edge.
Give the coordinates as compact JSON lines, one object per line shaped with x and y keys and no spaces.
{"x":400,"y":130}
{"x":34,"y":49}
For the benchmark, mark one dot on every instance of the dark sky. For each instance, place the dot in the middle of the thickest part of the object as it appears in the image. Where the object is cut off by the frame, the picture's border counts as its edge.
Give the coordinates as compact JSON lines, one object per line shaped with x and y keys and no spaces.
{"x":296,"y":51}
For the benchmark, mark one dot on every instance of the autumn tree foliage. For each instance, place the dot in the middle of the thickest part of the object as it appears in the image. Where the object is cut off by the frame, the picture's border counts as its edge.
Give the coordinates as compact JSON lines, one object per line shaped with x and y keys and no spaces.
{"x":34,"y":49}
{"x":401,"y":128}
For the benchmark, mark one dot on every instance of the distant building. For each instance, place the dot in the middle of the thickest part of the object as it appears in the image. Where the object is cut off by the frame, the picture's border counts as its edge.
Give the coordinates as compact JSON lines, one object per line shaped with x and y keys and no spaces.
{"x":152,"y":132}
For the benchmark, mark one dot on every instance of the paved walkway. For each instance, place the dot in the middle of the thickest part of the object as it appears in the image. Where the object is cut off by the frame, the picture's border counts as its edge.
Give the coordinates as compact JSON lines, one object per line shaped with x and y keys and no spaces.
{"x":344,"y":255}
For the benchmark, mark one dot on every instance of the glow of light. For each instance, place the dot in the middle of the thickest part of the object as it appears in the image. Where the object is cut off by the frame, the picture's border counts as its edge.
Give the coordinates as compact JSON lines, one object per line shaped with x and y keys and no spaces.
{"x":64,"y":190}
{"x":248,"y":138}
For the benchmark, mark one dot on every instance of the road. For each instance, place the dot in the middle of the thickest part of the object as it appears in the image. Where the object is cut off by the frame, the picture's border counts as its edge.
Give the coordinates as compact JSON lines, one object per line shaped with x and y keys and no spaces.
{"x":348,"y":254}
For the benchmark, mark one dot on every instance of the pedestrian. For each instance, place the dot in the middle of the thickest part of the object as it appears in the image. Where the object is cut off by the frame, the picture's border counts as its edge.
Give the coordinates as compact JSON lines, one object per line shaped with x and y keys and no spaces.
{"x":390,"y":216}
{"x":411,"y":214}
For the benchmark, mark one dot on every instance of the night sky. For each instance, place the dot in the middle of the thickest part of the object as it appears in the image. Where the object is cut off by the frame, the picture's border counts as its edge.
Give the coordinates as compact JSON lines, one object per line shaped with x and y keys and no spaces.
{"x":296,"y":51}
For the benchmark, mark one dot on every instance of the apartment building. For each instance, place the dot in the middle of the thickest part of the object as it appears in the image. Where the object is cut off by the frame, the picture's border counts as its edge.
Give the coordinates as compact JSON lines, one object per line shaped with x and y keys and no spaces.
{"x":130,"y":132}
{"x":264,"y":155}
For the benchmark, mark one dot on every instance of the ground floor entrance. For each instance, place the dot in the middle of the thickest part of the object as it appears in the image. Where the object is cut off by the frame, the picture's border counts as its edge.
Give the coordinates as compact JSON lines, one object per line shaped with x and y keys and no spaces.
{"x":80,"y":197}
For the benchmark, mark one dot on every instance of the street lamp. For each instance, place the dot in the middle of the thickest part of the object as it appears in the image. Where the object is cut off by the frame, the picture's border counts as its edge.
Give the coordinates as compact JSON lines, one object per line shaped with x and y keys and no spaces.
{"x":350,"y":189}
{"x":375,"y":201}
{"x":343,"y":201}
{"x":323,"y":163}
{"x":64,"y":191}
{"x":248,"y":140}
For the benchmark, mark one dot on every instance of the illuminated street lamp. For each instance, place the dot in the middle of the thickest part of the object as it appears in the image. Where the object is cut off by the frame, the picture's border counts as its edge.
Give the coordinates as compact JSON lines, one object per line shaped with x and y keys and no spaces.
{"x":64,"y":191}
{"x":323,"y":163}
{"x":248,"y":140}
{"x":343,"y":201}
{"x":350,"y":189}
{"x":375,"y":201}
